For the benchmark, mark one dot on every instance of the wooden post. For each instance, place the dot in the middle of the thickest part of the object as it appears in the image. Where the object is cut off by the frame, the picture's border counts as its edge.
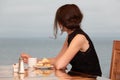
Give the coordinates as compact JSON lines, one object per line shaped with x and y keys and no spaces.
{"x":115,"y":61}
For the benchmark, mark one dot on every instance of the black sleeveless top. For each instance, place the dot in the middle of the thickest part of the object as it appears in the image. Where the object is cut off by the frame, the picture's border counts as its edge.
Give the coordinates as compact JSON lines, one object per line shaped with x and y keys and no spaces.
{"x":85,"y":62}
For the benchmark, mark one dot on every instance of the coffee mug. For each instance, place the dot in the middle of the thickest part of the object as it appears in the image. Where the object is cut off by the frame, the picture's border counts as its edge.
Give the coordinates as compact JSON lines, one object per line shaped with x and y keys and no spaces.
{"x":32,"y":62}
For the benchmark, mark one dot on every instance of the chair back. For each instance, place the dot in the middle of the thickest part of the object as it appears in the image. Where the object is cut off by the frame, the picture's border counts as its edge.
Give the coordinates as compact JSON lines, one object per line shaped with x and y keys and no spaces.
{"x":115,"y":61}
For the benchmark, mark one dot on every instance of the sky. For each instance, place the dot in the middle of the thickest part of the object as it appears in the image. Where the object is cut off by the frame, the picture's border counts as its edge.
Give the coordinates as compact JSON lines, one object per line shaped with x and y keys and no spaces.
{"x":35,"y":18}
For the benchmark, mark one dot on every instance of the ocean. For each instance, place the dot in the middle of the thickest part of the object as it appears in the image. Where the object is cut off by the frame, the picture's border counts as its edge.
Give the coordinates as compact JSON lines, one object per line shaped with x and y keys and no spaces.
{"x":11,"y":48}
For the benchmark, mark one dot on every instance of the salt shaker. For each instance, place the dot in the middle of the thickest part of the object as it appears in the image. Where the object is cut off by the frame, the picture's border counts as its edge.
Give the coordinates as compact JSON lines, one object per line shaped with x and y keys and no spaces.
{"x":21,"y":66}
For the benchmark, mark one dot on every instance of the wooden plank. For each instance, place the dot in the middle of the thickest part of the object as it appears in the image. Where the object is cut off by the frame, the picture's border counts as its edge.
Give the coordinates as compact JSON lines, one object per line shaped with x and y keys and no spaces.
{"x":115,"y":61}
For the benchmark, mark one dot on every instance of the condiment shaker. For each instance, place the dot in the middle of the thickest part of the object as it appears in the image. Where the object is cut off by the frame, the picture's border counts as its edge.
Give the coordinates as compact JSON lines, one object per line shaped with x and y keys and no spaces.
{"x":21,"y":66}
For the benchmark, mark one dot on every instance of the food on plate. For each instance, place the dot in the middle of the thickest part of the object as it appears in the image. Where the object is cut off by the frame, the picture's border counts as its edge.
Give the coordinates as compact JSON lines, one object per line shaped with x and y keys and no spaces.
{"x":44,"y":63}
{"x":45,"y":60}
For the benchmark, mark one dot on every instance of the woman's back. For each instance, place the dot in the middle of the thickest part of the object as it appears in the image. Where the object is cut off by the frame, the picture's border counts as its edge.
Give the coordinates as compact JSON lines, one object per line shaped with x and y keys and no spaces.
{"x":85,"y":62}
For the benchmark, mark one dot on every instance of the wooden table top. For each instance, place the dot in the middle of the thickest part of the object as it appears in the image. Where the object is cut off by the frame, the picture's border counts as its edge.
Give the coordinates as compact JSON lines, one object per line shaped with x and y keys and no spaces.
{"x":6,"y":73}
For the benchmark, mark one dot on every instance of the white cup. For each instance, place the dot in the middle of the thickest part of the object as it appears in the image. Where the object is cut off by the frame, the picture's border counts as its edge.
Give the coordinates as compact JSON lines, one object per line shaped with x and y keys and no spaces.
{"x":15,"y":67}
{"x":32,"y":62}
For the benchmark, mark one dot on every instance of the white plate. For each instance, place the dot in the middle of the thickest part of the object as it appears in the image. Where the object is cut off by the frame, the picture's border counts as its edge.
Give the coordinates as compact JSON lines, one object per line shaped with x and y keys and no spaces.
{"x":43,"y":67}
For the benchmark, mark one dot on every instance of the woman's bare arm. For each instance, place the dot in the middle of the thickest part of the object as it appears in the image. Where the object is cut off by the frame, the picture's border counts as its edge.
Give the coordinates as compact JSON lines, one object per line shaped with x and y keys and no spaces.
{"x":78,"y":43}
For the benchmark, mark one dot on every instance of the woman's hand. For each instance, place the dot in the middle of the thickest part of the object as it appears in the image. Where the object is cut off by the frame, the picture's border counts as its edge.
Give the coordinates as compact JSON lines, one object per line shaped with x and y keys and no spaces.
{"x":25,"y":57}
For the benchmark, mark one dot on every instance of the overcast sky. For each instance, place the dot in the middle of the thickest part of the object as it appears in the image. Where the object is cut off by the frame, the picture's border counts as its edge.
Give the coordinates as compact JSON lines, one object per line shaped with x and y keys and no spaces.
{"x":34,"y":18}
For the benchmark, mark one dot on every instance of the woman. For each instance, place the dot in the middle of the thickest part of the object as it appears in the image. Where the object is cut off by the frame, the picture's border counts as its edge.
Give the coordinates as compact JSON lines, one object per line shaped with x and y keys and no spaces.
{"x":78,"y":49}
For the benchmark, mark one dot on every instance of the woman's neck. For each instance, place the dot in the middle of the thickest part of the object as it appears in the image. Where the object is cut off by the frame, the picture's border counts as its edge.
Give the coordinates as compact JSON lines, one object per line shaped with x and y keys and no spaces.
{"x":69,"y":31}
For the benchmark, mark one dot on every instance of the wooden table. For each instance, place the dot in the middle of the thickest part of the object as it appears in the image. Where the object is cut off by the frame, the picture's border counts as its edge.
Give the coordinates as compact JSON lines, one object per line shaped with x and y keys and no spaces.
{"x":6,"y":73}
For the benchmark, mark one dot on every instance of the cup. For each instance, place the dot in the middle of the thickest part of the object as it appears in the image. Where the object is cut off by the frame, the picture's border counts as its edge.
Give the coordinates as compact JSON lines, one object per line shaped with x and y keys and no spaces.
{"x":15,"y":67}
{"x":32,"y":62}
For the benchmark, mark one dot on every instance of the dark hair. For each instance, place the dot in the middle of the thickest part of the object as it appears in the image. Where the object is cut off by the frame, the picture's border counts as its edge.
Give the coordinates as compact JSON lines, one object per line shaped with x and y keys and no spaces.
{"x":69,"y":16}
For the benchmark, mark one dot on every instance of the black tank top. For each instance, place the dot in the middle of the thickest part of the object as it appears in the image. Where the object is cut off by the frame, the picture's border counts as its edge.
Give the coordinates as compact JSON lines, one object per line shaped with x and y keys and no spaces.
{"x":85,"y":62}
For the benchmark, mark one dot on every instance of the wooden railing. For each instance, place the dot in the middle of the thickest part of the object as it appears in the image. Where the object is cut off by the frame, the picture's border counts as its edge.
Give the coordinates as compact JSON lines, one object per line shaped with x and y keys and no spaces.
{"x":115,"y":61}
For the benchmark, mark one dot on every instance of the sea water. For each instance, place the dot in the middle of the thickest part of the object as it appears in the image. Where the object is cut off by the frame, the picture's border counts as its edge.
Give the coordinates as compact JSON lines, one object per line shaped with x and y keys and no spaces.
{"x":11,"y":48}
